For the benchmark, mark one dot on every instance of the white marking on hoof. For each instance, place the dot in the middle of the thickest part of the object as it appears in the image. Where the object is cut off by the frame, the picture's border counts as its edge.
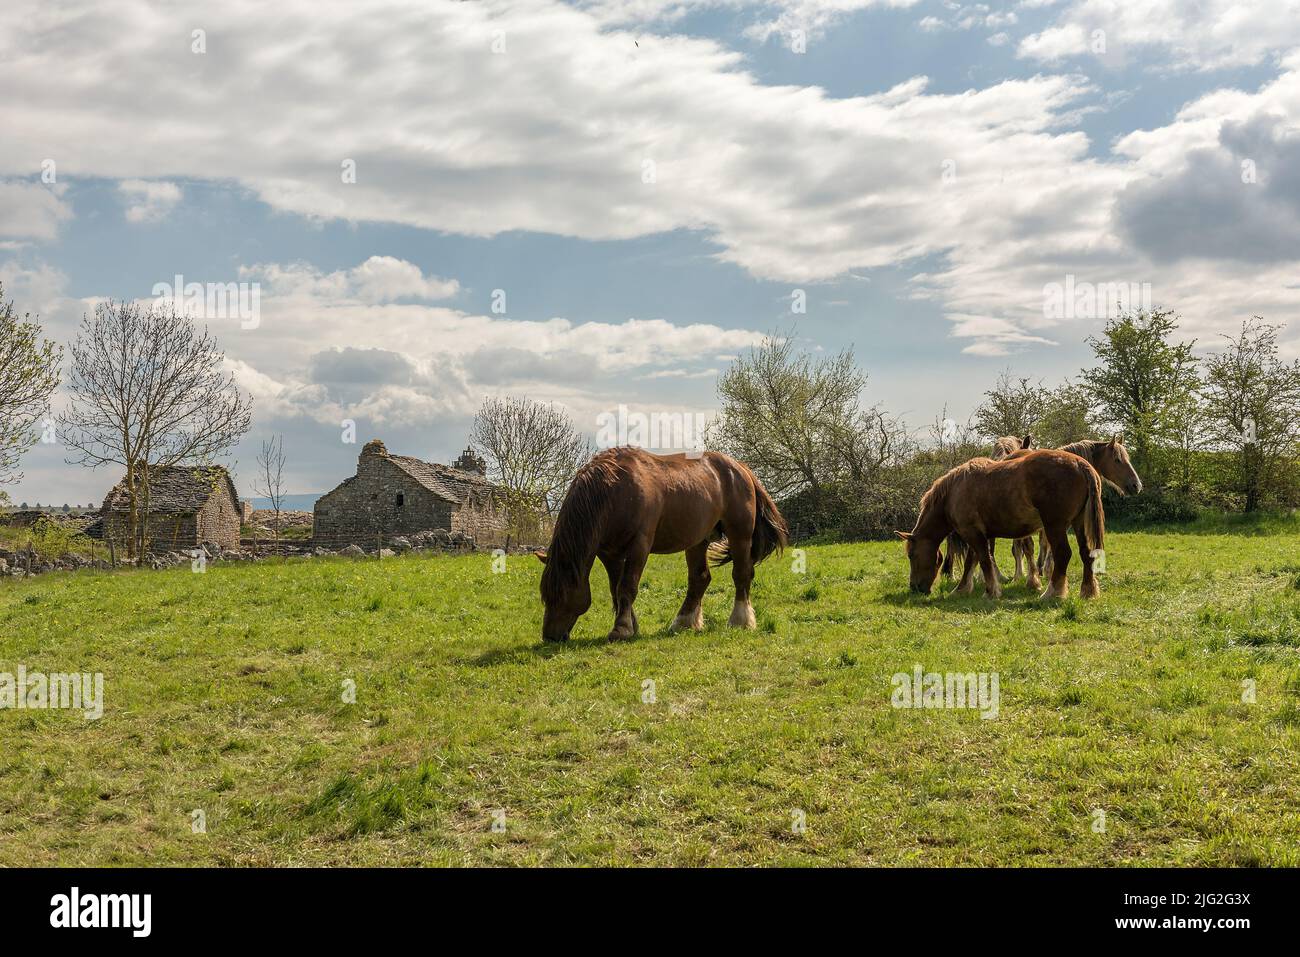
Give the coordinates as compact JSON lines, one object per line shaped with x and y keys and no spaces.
{"x":692,"y":621}
{"x":742,"y":616}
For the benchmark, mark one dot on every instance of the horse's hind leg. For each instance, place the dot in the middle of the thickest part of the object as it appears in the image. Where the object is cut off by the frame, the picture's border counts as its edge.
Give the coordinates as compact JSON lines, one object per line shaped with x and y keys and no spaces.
{"x":742,"y":574}
{"x":691,"y":614}
{"x":1089,"y":588}
{"x":629,"y":580}
{"x":1060,"y":543}
{"x":1032,"y":581}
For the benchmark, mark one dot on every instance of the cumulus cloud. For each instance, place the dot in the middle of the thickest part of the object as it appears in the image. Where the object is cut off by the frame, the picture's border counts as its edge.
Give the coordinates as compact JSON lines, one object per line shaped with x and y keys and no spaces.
{"x":1201,"y":35}
{"x":404,"y":364}
{"x":31,"y":211}
{"x":148,"y":201}
{"x":572,"y":129}
{"x":378,"y":279}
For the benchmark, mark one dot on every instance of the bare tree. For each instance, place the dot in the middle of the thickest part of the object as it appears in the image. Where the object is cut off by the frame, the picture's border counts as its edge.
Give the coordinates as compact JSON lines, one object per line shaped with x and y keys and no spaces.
{"x":269,"y":482}
{"x":532,"y":449}
{"x":29,"y":374}
{"x":148,"y":391}
{"x":1011,"y":407}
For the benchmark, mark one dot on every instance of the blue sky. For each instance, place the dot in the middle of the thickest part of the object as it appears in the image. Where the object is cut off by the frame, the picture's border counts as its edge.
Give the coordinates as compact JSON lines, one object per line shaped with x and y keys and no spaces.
{"x":923,"y":171}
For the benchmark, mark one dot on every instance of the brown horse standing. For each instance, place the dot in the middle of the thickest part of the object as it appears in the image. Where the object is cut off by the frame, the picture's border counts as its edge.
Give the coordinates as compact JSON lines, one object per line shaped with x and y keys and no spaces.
{"x":1022,"y":550}
{"x":627,"y":503}
{"x":1012,"y":498}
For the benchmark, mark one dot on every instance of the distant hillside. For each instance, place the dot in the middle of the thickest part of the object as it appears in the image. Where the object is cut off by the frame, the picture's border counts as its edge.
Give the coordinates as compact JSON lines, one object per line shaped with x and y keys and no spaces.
{"x":290,"y":503}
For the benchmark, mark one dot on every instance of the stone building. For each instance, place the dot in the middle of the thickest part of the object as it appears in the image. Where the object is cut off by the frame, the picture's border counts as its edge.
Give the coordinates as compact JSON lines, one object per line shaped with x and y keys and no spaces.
{"x":188,"y":506}
{"x":394,"y":495}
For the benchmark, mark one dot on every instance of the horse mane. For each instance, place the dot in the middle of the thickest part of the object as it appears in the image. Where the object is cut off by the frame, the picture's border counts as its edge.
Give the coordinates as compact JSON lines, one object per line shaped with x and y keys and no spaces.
{"x":577,"y":524}
{"x":938,"y":489}
{"x":1085,"y":449}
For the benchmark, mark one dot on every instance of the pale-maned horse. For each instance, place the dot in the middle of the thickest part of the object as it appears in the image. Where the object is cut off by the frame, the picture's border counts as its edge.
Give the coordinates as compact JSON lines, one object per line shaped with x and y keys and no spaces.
{"x":626,"y":504}
{"x":1110,"y":459}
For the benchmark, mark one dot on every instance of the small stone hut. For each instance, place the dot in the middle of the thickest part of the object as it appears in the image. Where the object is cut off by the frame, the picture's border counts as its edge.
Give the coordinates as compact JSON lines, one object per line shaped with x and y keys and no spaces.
{"x":188,"y":506}
{"x":394,"y":495}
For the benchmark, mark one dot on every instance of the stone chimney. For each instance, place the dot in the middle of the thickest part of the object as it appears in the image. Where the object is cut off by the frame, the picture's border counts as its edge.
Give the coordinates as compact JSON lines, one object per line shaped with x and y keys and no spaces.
{"x":469,"y":462}
{"x":373,"y":447}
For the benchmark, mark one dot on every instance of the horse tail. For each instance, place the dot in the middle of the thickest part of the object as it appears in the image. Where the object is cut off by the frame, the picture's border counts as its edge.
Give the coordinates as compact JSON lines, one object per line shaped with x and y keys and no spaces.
{"x":1094,"y":516}
{"x":955,"y":547}
{"x":771,"y":534}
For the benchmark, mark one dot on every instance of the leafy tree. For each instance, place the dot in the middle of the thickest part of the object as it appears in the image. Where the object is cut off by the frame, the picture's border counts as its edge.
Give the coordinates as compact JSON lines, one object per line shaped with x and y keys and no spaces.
{"x":1252,"y":405}
{"x":1066,"y":417}
{"x":29,"y":374}
{"x":1144,"y":381}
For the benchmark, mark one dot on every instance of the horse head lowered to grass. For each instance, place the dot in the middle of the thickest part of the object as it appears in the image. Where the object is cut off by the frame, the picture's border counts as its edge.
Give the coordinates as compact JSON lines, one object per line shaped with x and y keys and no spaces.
{"x":626,"y":504}
{"x":986,"y":499}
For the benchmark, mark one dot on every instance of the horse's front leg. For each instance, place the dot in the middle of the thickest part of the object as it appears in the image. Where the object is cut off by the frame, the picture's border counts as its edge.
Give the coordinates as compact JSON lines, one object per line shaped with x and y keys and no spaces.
{"x":967,"y":583}
{"x":983,"y":550}
{"x":629,"y":581}
{"x":691,"y":614}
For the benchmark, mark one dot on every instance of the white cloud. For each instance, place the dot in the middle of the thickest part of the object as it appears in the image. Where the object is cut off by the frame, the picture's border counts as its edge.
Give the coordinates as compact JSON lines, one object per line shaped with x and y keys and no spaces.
{"x":553,"y":136}
{"x":403,"y":364}
{"x":31,"y":211}
{"x":378,"y":279}
{"x":148,"y":201}
{"x":1201,"y":35}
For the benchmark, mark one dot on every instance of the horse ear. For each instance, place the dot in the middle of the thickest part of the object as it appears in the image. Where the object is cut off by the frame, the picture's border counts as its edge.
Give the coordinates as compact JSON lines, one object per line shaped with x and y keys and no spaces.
{"x":541,"y":555}
{"x":1118,"y":439}
{"x":905,"y":536}
{"x":1027,"y":442}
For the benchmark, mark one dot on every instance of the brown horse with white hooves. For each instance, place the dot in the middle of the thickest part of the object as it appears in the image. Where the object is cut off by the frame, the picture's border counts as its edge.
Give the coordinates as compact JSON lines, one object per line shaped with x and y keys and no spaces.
{"x":626,"y":504}
{"x":1011,"y":498}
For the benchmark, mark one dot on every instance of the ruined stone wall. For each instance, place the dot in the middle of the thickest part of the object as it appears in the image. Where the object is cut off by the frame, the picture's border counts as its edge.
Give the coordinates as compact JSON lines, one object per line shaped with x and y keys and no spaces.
{"x":219,"y":520}
{"x":365,"y":511}
{"x":167,"y":533}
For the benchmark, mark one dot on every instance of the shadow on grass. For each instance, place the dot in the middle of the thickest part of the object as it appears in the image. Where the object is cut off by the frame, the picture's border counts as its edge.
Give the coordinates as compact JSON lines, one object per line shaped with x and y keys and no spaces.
{"x":1013,"y":599}
{"x":540,"y":650}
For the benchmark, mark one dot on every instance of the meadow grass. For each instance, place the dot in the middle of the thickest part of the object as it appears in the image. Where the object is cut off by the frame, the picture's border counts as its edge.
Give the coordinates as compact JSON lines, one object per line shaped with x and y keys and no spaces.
{"x":224,"y":693}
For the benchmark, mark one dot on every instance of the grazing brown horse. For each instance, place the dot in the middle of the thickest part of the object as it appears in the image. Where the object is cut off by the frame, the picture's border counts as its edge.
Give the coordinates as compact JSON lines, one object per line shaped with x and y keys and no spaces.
{"x":627,"y":503}
{"x":1110,"y":459}
{"x":1011,"y":498}
{"x":1022,"y":550}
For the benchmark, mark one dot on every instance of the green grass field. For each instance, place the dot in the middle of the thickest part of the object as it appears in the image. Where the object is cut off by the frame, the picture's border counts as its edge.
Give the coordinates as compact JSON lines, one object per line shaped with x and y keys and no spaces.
{"x":224,"y":693}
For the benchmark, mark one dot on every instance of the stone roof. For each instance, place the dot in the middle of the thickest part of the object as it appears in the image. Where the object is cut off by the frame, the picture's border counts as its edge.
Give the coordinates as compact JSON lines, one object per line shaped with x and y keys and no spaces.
{"x":447,"y":483}
{"x":175,"y":489}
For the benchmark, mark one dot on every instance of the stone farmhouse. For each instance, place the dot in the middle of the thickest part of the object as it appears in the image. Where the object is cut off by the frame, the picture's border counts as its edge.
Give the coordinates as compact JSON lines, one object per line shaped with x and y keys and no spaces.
{"x":397,"y":495}
{"x":188,"y":506}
